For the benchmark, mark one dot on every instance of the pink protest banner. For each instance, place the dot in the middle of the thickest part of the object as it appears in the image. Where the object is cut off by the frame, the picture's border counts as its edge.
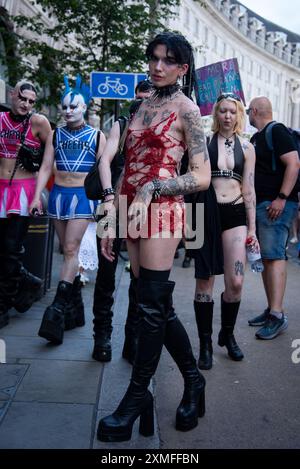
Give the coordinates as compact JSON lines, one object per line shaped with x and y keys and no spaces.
{"x":217,"y":78}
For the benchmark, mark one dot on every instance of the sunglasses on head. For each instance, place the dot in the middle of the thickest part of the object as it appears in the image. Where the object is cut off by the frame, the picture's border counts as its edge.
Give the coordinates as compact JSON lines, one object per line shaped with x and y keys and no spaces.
{"x":228,"y":95}
{"x":24,"y":99}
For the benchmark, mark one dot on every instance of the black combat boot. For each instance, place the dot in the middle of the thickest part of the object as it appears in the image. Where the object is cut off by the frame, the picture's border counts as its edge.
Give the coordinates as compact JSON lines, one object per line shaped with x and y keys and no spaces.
{"x":29,"y":291}
{"x":204,"y":316}
{"x":4,"y":306}
{"x":4,"y":300}
{"x":53,"y":322}
{"x":132,"y":323}
{"x":229,"y":312}
{"x":153,"y":298}
{"x":74,"y":311}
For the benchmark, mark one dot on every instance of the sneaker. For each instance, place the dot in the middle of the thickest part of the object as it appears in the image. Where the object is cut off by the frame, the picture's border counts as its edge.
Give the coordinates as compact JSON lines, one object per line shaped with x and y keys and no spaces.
{"x":272,"y":328}
{"x":186,"y":262}
{"x":261,"y":319}
{"x":294,"y":240}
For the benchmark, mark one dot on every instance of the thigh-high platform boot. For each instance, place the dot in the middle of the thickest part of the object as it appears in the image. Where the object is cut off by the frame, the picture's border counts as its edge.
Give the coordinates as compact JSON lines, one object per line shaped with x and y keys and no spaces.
{"x":177,"y":343}
{"x":132,"y":323}
{"x":153,"y":298}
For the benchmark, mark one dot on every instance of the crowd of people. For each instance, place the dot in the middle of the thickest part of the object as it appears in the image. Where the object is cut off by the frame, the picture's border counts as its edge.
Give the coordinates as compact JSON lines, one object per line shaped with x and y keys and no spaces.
{"x":249,"y":192}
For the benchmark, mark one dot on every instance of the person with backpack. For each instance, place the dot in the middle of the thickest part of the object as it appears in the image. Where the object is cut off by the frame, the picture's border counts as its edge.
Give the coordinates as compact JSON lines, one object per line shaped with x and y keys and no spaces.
{"x":105,"y":280}
{"x":276,"y":173}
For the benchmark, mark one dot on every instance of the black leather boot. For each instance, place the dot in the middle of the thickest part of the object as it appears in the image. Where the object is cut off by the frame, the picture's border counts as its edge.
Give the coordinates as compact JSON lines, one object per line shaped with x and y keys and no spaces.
{"x":229,"y":312}
{"x":4,"y":308}
{"x":204,"y":316}
{"x":53,"y":322}
{"x":132,"y":323}
{"x":192,"y":405}
{"x":4,"y":300}
{"x":29,"y":291}
{"x":74,"y":311}
{"x":153,"y":300}
{"x":102,"y":307}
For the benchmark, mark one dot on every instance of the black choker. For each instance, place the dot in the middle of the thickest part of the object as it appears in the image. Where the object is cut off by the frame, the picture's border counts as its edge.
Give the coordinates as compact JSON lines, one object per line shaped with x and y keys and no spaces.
{"x":81,"y":126}
{"x":166,"y":91}
{"x":228,"y":142}
{"x":17,"y":117}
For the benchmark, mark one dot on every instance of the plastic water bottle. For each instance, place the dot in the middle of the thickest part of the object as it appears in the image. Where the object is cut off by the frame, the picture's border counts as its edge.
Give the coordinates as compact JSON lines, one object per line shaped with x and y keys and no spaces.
{"x":254,"y":257}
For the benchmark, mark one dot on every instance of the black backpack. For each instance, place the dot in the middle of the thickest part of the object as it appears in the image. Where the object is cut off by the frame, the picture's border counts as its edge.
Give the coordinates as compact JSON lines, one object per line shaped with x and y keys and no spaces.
{"x":295,"y":134}
{"x":92,"y":183}
{"x":118,"y":162}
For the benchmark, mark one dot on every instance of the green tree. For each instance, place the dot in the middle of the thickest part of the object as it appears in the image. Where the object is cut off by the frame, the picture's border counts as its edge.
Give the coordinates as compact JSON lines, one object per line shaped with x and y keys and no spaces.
{"x":89,"y":36}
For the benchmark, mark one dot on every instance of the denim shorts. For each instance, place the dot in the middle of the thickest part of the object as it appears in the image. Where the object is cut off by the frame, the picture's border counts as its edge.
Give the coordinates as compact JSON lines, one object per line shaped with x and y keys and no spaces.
{"x":273,"y":235}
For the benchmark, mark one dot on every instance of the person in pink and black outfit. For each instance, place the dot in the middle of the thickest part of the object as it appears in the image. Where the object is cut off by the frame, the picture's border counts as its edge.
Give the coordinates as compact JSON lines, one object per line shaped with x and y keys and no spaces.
{"x":22,"y":137}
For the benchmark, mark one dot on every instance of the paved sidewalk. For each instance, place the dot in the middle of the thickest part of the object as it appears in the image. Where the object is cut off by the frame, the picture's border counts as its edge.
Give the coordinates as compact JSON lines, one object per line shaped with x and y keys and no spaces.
{"x":53,"y":396}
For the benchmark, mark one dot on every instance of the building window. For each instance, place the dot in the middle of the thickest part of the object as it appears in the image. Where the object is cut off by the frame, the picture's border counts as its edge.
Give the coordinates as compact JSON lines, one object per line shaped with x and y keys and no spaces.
{"x":215,"y":44}
{"x":196,"y":27}
{"x":186,"y":17}
{"x":250,"y":66}
{"x":259,"y":71}
{"x":249,"y":91}
{"x":277,"y":79}
{"x":206,"y":34}
{"x":241,"y":62}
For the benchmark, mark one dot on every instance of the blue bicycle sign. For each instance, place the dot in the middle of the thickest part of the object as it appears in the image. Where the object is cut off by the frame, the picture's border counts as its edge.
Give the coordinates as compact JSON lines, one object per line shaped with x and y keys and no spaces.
{"x":115,"y":85}
{"x":111,"y":85}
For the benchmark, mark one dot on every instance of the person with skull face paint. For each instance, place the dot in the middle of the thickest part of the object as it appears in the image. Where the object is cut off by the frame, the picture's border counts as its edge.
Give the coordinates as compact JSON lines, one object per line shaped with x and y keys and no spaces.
{"x":73,"y":148}
{"x":22,"y":136}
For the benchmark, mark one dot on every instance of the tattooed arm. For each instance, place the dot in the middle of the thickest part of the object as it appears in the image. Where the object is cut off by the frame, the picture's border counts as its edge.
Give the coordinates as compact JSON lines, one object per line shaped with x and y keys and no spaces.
{"x":248,"y":190}
{"x":198,"y":178}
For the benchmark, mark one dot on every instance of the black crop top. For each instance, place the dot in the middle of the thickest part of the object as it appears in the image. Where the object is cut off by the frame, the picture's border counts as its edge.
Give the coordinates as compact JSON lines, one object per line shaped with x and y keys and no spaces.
{"x":239,"y":159}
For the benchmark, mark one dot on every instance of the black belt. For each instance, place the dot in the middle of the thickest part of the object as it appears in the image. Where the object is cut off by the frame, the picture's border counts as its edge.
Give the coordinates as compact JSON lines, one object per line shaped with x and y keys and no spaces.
{"x":226,"y":173}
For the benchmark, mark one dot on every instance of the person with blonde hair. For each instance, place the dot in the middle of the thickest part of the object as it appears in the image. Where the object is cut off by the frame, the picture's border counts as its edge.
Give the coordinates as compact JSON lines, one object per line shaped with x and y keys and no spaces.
{"x":232,"y":160}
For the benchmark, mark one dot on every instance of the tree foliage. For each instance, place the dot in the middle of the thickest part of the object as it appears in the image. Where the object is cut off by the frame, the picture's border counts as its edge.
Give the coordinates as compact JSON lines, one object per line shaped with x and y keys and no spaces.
{"x":89,"y":35}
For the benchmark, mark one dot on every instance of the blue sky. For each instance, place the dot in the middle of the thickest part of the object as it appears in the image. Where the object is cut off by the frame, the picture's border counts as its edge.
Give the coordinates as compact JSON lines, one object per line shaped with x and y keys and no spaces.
{"x":285,"y":13}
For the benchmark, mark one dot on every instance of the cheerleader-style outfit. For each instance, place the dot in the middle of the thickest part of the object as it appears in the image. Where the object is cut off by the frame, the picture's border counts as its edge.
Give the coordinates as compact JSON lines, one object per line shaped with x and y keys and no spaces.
{"x":75,"y":151}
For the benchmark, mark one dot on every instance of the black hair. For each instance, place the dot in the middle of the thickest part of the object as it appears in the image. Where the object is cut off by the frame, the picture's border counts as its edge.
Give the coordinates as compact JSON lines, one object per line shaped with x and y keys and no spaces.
{"x":27,"y":86}
{"x":143,"y":86}
{"x":183,"y":54}
{"x":134,"y":106}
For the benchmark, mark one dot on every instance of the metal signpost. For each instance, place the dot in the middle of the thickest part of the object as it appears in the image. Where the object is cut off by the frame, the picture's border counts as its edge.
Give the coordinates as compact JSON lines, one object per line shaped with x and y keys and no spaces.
{"x":111,"y":85}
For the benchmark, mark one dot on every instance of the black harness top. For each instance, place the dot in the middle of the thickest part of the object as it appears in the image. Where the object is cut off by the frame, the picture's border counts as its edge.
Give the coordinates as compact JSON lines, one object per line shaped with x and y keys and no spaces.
{"x":237,"y":171}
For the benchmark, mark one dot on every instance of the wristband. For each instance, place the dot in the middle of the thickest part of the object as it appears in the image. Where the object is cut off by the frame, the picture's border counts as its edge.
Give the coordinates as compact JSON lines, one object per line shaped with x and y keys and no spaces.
{"x":108,"y":191}
{"x":157,"y":188}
